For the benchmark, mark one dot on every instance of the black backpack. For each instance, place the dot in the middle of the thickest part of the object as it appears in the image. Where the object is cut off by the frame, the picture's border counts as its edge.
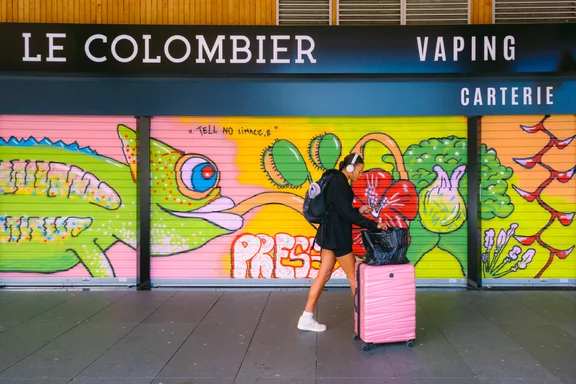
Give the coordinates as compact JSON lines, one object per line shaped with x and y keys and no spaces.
{"x":314,"y":207}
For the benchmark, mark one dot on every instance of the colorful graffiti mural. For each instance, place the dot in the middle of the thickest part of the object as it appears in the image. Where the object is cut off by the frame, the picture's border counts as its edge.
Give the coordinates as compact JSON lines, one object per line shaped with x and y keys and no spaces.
{"x":266,"y":165}
{"x":63,"y":204}
{"x":537,"y":238}
{"x":226,"y":194}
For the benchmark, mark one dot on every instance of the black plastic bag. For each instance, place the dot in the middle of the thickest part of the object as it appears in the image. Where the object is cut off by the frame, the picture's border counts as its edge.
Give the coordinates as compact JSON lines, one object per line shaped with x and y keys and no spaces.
{"x":386,"y":247}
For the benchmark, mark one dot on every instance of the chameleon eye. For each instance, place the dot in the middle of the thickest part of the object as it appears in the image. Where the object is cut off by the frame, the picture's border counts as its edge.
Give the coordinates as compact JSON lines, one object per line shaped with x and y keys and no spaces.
{"x":197,"y":176}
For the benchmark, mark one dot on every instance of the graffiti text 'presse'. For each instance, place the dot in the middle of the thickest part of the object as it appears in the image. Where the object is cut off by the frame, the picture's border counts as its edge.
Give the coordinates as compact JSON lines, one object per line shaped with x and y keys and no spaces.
{"x":234,"y":49}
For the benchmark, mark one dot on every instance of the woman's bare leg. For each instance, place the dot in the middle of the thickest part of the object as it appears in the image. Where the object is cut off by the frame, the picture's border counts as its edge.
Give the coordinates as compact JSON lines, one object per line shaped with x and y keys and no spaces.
{"x":307,"y":321}
{"x":348,"y":262}
{"x":324,"y":273}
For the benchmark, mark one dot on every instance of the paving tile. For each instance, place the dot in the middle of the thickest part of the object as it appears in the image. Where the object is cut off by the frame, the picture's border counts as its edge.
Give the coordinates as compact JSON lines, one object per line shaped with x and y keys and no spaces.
{"x":194,"y":380}
{"x":118,"y":380}
{"x":34,"y":381}
{"x":219,"y":343}
{"x":491,"y":353}
{"x":270,"y":380}
{"x":437,"y":380}
{"x":133,"y":307}
{"x":500,"y":308}
{"x":30,"y":304}
{"x":349,"y":380}
{"x":569,"y":327}
{"x":142,"y":353}
{"x":431,"y":357}
{"x":24,"y":339}
{"x":547,"y":304}
{"x":448,"y":306}
{"x":553,"y":347}
{"x":29,"y":338}
{"x":493,"y":380}
{"x":568,"y":295}
{"x":71,"y":353}
{"x":339,"y":355}
{"x":279,"y":349}
{"x":8,"y":297}
{"x":185,"y":307}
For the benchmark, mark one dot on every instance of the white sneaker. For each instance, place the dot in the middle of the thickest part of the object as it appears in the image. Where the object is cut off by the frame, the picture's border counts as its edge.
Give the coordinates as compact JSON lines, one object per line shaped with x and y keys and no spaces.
{"x":307,"y":323}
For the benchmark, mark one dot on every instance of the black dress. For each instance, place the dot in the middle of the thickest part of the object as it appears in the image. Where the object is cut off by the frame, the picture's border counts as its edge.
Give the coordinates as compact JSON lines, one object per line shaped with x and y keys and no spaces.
{"x":335,"y":232}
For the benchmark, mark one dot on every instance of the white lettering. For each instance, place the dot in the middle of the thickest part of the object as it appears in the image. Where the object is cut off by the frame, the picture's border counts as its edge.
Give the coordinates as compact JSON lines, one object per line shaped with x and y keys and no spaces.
{"x":52,"y":47}
{"x":27,"y":56}
{"x":260,"y":59}
{"x":477,"y":97}
{"x":473,"y":49}
{"x":134,"y":48}
{"x":509,"y":48}
{"x":458,"y":46}
{"x":549,"y":95}
{"x":236,"y":49}
{"x":491,"y":96}
{"x":465,"y":96}
{"x":507,"y":96}
{"x":527,"y":96}
{"x":167,"y":49}
{"x":203,"y":48}
{"x":440,"y":52}
{"x":282,"y":257}
{"x":422,"y":48}
{"x":490,"y":47}
{"x":147,"y":58}
{"x":87,"y":48}
{"x":277,"y":49}
{"x":514,"y":96}
{"x":301,"y":51}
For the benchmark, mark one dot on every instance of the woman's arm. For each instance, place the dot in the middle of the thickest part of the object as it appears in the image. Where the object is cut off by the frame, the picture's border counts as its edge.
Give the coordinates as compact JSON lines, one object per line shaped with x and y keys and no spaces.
{"x":335,"y":196}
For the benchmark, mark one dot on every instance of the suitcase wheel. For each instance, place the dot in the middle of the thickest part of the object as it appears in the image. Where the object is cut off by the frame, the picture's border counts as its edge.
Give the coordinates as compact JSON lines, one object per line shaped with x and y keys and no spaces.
{"x":356,"y":337}
{"x":366,"y":346}
{"x":410,"y":343}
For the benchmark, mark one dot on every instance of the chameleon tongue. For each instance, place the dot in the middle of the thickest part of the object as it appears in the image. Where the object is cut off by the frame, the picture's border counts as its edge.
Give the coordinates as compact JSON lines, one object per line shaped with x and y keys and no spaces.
{"x":228,"y":221}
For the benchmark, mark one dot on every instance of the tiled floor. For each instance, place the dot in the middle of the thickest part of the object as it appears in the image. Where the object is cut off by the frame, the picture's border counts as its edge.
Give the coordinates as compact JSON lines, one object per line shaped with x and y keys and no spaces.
{"x":247,"y":337}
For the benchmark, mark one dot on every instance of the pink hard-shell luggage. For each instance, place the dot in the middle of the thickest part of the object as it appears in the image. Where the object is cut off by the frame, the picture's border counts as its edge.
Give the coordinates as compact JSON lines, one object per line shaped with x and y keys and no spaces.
{"x":385,"y":304}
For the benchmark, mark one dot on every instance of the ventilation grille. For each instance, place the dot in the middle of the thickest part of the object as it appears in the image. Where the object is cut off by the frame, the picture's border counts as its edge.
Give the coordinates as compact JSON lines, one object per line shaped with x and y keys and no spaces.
{"x":304,"y":12}
{"x":376,"y":12}
{"x":437,"y":12}
{"x":532,"y":11}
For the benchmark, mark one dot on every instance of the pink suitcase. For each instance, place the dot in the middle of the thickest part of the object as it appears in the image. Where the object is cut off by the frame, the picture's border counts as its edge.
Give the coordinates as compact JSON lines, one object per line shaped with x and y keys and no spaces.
{"x":385,"y":304}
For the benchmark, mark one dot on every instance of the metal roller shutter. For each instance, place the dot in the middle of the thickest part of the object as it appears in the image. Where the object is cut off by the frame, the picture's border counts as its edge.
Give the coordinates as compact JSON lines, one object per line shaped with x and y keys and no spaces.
{"x":529,"y":200}
{"x":304,"y":12}
{"x":534,"y":11}
{"x":67,"y":201}
{"x":227,"y":194}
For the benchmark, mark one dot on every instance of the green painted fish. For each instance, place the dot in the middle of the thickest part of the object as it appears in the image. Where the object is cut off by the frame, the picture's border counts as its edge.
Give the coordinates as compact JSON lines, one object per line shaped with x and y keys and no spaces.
{"x":61,"y":205}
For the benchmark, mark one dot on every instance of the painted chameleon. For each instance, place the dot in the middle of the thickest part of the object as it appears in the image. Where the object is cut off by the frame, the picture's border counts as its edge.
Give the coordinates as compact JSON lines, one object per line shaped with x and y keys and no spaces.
{"x":61,"y":205}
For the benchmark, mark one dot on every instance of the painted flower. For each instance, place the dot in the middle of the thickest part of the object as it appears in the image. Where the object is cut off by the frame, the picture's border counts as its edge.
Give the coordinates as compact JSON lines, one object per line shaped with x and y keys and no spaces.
{"x":394,"y":202}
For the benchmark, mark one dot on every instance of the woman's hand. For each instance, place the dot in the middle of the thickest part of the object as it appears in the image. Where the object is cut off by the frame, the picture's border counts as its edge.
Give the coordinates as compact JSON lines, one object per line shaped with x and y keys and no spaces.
{"x":382,"y":226}
{"x":364,"y":209}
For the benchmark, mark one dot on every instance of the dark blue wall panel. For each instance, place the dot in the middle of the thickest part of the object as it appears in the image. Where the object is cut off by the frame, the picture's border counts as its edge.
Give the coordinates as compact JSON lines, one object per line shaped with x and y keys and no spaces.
{"x":277,"y":97}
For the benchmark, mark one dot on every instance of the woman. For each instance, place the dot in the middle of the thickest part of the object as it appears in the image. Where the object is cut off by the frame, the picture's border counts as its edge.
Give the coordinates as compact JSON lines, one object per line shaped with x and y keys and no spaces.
{"x":334,"y":235}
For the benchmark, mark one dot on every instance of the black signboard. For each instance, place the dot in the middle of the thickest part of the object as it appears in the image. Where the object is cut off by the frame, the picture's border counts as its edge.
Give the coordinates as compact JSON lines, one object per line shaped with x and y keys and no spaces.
{"x":144,"y":50}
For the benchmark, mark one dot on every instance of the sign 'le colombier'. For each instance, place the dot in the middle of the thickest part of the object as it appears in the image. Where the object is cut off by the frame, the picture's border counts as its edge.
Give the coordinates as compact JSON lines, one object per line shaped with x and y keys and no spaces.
{"x":155,"y":50}
{"x":241,"y":50}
